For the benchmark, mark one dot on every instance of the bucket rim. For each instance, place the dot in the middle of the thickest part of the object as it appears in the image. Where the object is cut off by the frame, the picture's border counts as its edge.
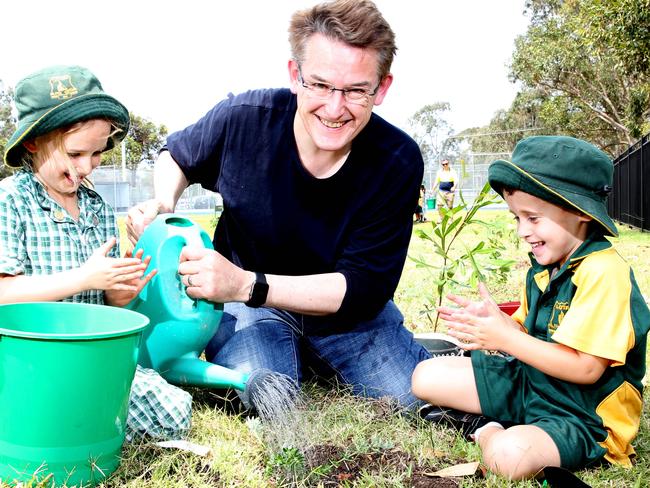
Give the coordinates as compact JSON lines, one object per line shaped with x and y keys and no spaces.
{"x":86,"y":335}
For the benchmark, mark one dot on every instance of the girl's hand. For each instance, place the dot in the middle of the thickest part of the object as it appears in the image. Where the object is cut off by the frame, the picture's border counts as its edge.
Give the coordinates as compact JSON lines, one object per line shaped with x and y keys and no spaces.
{"x":101,"y":272}
{"x":480,"y":324}
{"x":120,"y":298}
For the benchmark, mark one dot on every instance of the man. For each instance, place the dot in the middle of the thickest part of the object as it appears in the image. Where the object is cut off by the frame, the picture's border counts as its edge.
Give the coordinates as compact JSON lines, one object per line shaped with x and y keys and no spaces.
{"x":318,"y":194}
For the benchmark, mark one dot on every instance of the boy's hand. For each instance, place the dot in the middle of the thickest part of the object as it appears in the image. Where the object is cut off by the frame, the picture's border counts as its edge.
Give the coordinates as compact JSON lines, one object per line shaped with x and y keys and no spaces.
{"x":101,"y":272}
{"x":479,"y":324}
{"x":120,"y":298}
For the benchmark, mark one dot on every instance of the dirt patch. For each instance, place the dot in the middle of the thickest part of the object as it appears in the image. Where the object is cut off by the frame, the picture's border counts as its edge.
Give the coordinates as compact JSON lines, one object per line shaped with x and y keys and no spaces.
{"x":347,"y":468}
{"x":421,"y":481}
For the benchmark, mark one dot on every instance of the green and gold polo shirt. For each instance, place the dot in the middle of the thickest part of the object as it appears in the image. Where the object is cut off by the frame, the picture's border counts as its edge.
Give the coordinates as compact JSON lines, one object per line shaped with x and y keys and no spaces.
{"x":593,"y":305}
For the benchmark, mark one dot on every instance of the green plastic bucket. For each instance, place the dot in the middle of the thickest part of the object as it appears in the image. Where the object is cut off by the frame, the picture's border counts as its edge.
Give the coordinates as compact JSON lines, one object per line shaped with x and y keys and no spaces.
{"x":65,"y":375}
{"x":431,"y":203}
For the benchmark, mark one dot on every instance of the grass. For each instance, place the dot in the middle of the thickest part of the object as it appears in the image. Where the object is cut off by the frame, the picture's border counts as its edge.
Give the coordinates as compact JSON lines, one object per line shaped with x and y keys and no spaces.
{"x":340,"y":440}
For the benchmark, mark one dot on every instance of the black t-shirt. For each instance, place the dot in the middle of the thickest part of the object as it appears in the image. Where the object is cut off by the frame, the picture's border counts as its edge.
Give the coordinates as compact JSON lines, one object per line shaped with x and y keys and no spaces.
{"x":279,"y":219}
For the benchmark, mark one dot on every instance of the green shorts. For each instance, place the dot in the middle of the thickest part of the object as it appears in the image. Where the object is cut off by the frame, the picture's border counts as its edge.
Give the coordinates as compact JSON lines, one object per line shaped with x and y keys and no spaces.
{"x":512,"y":392}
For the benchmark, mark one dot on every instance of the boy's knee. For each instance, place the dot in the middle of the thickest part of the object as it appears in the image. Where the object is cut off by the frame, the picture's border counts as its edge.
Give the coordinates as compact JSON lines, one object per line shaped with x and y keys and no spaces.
{"x":421,"y":379}
{"x":511,"y":456}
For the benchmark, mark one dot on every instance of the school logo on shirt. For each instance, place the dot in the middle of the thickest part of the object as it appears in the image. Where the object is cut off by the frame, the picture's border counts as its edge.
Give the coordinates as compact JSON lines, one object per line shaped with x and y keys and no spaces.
{"x":61,"y":87}
{"x":559,"y":310}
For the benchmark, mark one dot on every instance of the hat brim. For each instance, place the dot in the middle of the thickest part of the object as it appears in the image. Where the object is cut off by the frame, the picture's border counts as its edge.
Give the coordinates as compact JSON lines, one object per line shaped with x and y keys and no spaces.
{"x":84,"y":107}
{"x":502,"y":173}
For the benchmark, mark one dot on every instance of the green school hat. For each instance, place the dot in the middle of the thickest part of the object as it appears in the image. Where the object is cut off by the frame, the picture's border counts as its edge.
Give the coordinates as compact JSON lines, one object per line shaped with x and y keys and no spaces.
{"x":561,"y":170}
{"x":60,"y":96}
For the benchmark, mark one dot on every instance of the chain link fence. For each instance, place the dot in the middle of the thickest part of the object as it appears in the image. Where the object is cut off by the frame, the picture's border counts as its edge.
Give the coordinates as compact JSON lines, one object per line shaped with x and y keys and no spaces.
{"x":472,"y":172}
{"x":123,"y":188}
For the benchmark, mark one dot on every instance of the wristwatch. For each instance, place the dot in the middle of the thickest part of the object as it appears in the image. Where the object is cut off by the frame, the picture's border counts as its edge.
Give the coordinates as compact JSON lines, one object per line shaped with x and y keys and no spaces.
{"x":259,"y":291}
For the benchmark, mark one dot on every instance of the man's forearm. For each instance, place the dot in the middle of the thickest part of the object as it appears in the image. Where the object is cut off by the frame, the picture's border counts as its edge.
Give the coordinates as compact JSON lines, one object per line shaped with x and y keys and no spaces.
{"x":169,"y":182}
{"x":311,"y":295}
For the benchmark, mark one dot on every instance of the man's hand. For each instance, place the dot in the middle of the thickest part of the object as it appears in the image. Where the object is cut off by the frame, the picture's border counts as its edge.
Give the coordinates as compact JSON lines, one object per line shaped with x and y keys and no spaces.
{"x":141,"y":216}
{"x":208,"y":275}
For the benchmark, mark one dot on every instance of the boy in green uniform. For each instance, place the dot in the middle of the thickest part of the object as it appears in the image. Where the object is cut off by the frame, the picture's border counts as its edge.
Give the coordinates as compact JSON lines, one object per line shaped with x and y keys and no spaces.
{"x":568,"y":384}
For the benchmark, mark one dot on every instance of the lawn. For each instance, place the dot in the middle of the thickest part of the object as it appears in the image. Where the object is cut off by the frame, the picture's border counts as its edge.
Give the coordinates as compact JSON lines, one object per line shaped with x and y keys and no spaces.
{"x":339,"y":440}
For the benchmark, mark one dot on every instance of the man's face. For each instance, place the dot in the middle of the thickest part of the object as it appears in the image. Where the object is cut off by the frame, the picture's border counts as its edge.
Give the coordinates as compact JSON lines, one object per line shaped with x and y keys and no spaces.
{"x":330,"y":123}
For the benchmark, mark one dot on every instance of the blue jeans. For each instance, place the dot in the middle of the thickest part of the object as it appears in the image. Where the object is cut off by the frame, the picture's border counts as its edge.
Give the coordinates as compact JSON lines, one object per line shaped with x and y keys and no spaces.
{"x":376,"y":357}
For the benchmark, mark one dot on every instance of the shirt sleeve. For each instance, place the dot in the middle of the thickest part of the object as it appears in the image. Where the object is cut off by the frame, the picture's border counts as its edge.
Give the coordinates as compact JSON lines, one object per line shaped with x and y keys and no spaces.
{"x":14,"y":253}
{"x":599,"y":319}
{"x":374,"y":256}
{"x":198,"y":149}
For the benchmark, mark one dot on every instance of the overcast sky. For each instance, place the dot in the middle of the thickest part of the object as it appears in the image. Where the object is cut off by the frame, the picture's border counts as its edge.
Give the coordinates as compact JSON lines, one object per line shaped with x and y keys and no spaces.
{"x":171,"y":61}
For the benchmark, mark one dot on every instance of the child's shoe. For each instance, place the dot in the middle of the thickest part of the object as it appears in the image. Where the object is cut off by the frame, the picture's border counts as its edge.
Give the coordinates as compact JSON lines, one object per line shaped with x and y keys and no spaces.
{"x":441,"y":344}
{"x":466,"y":423}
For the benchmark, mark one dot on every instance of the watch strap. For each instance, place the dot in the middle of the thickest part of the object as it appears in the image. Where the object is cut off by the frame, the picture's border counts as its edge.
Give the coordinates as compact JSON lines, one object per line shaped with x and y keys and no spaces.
{"x":259,"y":291}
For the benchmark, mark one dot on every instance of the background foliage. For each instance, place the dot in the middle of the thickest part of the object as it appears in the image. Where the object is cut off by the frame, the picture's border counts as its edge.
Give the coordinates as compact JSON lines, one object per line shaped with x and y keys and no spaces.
{"x":584,"y":70}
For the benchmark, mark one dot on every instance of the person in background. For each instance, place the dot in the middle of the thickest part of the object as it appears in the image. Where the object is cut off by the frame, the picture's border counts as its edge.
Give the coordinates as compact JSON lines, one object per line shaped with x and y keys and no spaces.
{"x":567,"y":388}
{"x":419,"y":209}
{"x":318,"y":196}
{"x":445,"y":183}
{"x":59,"y":238}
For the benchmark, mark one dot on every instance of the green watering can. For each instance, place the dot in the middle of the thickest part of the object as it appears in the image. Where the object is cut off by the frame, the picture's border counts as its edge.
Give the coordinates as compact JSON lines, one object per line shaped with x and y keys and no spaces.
{"x":180,"y":326}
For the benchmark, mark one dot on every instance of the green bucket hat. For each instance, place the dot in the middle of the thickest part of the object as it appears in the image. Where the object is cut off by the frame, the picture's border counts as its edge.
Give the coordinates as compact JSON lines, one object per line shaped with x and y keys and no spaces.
{"x":561,"y":170}
{"x":59,"y":96}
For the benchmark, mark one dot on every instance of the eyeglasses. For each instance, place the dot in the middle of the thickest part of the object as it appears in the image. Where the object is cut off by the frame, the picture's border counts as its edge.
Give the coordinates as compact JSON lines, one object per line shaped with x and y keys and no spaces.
{"x":323,"y":91}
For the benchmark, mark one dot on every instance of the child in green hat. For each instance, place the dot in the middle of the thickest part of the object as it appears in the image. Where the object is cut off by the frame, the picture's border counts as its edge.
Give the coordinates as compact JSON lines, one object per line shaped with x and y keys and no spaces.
{"x":566,"y":388}
{"x":58,"y":237}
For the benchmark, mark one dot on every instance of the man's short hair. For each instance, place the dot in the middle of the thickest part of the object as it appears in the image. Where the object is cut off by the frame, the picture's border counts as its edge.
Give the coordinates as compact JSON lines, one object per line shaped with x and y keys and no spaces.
{"x":357,"y":23}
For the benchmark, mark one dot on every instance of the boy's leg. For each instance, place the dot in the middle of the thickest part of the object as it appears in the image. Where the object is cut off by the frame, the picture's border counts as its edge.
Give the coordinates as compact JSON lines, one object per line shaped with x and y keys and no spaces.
{"x":447,"y":382}
{"x":376,"y":357}
{"x":518,"y":452}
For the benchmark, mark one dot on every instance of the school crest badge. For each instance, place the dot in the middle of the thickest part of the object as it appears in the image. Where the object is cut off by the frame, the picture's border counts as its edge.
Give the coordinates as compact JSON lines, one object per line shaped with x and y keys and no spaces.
{"x":61,"y":87}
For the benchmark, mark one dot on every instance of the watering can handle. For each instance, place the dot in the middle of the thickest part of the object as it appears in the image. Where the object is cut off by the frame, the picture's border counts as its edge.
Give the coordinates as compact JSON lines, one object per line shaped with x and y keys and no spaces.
{"x":173,"y":292}
{"x":165,"y":294}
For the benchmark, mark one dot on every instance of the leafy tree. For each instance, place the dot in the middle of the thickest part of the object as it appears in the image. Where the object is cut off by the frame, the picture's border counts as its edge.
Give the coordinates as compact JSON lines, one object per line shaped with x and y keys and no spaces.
{"x":508,"y":126}
{"x":433,"y":134}
{"x":7,"y":123}
{"x":142,"y":142}
{"x":623,"y":26}
{"x":580,"y":73}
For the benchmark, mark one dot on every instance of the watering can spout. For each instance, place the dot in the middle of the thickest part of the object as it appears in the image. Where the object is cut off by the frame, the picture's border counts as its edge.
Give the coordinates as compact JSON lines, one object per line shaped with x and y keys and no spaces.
{"x":194,"y":371}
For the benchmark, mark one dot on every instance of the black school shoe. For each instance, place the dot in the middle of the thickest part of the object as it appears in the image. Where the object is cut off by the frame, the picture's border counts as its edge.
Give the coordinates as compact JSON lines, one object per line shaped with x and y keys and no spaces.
{"x":466,"y":423}
{"x":441,"y":344}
